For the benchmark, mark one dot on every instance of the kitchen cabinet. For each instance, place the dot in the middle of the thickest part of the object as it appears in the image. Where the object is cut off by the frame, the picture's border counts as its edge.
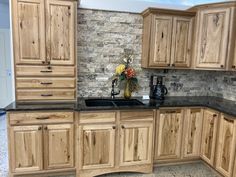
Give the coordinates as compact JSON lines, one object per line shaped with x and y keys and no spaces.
{"x":167,"y":38}
{"x":26,"y":148}
{"x":212,"y":38}
{"x":168,"y":134}
{"x":225,"y":153}
{"x":192,"y":132}
{"x":209,"y":135}
{"x":234,"y":59}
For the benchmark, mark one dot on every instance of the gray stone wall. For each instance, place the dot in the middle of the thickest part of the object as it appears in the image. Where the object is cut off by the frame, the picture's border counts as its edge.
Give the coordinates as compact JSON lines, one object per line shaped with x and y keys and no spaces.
{"x":103,"y":38}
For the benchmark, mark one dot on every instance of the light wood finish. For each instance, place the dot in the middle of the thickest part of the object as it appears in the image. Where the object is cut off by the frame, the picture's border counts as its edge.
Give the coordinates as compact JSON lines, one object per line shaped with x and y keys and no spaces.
{"x":60,"y":32}
{"x":54,"y":71}
{"x":49,"y":94}
{"x":136,"y":140}
{"x":28,"y":31}
{"x":234,"y":59}
{"x":212,"y":37}
{"x":26,"y":148}
{"x":168,"y":134}
{"x":225,"y":153}
{"x":209,"y":133}
{"x":142,"y":115}
{"x":192,"y":132}
{"x":96,"y":146}
{"x":97,"y":117}
{"x":58,"y":146}
{"x":25,"y":118}
{"x":27,"y":83}
{"x":181,"y":47}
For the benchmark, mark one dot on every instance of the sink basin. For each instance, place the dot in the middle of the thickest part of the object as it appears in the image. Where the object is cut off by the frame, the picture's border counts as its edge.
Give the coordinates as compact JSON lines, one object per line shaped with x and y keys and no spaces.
{"x":123,"y":102}
{"x":99,"y":103}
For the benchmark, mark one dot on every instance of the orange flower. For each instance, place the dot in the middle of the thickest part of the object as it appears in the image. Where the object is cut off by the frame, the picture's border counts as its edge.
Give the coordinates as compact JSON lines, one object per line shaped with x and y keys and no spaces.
{"x":130,"y":72}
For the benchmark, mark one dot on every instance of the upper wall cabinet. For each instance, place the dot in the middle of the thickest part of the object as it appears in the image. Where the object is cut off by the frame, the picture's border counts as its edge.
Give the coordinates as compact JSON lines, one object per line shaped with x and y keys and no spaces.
{"x":214,"y":36}
{"x":44,"y":32}
{"x":167,"y":38}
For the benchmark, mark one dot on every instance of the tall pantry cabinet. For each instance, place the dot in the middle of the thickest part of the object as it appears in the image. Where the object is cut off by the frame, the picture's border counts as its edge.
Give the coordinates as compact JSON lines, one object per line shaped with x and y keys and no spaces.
{"x":44,"y":49}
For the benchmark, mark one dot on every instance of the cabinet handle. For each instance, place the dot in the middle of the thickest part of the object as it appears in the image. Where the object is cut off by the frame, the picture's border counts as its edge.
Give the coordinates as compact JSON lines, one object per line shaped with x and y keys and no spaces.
{"x":173,"y":65}
{"x":228,"y":120}
{"x":168,"y":64}
{"x":171,"y":111}
{"x":46,"y":83}
{"x":46,"y":128}
{"x":233,"y":66}
{"x":221,"y":66}
{"x":113,"y":127}
{"x":40,"y":128}
{"x":214,"y":115}
{"x":122,"y":126}
{"x":46,"y":71}
{"x":42,"y":118}
{"x":46,"y":95}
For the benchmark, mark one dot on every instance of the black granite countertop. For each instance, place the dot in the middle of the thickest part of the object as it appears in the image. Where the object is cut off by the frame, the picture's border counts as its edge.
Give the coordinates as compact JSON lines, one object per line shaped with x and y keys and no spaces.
{"x":219,"y":104}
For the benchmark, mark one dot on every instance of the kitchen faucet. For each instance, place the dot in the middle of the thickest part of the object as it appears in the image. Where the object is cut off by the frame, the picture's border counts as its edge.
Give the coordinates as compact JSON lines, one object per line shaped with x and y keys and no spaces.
{"x":113,"y":93}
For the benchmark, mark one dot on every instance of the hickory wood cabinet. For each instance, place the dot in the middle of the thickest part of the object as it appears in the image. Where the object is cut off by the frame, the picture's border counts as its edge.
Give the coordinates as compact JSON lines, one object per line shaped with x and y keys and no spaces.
{"x":167,"y":38}
{"x":40,"y":141}
{"x":44,"y":49}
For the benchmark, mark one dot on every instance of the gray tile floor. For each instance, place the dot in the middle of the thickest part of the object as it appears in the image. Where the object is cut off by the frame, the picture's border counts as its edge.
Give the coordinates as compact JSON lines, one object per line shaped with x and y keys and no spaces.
{"x":187,"y":170}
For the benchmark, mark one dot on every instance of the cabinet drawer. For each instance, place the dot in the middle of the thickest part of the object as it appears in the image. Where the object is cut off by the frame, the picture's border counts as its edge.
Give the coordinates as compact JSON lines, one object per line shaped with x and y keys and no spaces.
{"x":49,"y":94}
{"x":45,"y":82}
{"x":143,"y":115}
{"x":97,"y":117}
{"x":40,"y":117}
{"x":29,"y":70}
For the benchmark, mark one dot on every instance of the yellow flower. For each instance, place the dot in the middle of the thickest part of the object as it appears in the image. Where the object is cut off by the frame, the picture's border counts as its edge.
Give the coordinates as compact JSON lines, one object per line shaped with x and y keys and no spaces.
{"x":120,"y":69}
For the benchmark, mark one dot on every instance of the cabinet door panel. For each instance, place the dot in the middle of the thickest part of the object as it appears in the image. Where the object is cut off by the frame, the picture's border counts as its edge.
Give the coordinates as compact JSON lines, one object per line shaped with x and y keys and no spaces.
{"x":226,"y":146}
{"x":60,"y":28}
{"x":29,"y":32}
{"x":209,"y":136}
{"x":136,"y":141}
{"x":213,"y":38}
{"x":96,"y":146}
{"x":181,"y":41}
{"x":58,"y":146}
{"x":161,"y":41}
{"x":26,"y":148}
{"x":168,"y":134}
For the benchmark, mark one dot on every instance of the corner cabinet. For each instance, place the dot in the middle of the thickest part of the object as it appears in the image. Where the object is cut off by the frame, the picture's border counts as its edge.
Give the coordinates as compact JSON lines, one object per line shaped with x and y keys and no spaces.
{"x":44,"y":49}
{"x":167,"y":39}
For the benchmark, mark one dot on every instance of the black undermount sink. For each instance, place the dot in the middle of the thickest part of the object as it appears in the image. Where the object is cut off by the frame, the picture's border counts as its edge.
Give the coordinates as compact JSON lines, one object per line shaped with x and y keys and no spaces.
{"x":111,"y":102}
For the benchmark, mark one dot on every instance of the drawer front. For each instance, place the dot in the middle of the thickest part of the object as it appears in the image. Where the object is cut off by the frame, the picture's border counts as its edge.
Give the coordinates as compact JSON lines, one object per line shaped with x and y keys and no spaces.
{"x":49,"y":94}
{"x":143,"y":115}
{"x":40,"y":118}
{"x":97,"y":117}
{"x":45,"y":82}
{"x":29,"y":70}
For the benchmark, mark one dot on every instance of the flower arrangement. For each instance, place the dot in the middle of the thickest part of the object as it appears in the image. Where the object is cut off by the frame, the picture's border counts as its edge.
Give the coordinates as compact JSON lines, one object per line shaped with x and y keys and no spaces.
{"x":126,"y":76}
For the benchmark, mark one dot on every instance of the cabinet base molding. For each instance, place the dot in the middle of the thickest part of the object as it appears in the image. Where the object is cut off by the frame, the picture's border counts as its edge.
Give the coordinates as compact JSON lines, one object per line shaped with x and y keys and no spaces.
{"x":135,"y":168}
{"x":160,"y":163}
{"x":56,"y":172}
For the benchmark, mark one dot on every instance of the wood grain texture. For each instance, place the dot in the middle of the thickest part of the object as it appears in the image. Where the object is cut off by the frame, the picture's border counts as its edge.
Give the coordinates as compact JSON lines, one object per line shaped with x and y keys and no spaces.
{"x":33,"y":82}
{"x":212,"y":44}
{"x":26,"y":148}
{"x":209,"y":133}
{"x":141,"y":115}
{"x":182,"y":41}
{"x":97,"y":117}
{"x":28,"y":31}
{"x":60,"y":32}
{"x":136,"y":141}
{"x":192,"y":132}
{"x":168,"y":134}
{"x":58,"y":146}
{"x":225,"y":153}
{"x":96,"y":146}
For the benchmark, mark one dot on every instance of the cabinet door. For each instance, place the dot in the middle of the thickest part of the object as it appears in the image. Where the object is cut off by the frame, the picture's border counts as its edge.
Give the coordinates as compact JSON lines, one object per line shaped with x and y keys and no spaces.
{"x":60,"y":29}
{"x":209,"y":136}
{"x":192,"y":133}
{"x":28,"y":31}
{"x":161,"y":41}
{"x":96,"y":146}
{"x":58,"y":146}
{"x":136,"y":143}
{"x":26,"y":148}
{"x":213,"y":31}
{"x":168,"y":134}
{"x":226,"y":146}
{"x":181,"y":41}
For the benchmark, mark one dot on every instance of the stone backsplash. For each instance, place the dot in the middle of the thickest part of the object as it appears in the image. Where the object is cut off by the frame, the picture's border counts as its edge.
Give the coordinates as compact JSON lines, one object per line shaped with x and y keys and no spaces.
{"x":103,"y":38}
